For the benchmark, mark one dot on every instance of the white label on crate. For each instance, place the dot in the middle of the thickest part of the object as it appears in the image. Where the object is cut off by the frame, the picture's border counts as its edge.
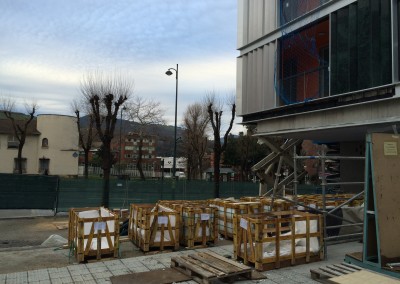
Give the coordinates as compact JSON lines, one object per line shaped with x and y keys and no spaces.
{"x":204,"y":217}
{"x":313,"y":206}
{"x":300,"y":208}
{"x":99,"y":226}
{"x":243,"y":223}
{"x":162,"y":220}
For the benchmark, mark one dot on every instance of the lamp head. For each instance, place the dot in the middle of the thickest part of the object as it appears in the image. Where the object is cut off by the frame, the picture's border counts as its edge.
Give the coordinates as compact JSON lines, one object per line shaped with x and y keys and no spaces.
{"x":169,"y":73}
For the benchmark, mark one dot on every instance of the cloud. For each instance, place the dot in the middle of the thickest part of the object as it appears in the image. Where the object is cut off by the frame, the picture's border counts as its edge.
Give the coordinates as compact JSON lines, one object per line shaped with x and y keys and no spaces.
{"x":48,"y":45}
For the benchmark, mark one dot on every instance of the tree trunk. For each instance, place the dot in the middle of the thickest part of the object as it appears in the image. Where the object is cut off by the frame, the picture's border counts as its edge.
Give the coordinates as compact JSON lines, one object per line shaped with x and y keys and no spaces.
{"x":217,"y":159}
{"x":107,"y":162}
{"x":86,"y":170}
{"x":139,"y":161}
{"x":19,"y":159}
{"x":106,"y":188}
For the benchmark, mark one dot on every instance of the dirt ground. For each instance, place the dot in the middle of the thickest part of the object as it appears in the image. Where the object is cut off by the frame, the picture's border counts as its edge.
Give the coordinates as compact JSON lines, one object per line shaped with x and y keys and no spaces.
{"x":21,"y":249}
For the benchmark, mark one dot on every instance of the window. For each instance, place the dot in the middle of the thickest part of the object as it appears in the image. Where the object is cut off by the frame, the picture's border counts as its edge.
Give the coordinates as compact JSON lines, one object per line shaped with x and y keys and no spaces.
{"x":304,"y":60}
{"x":44,"y":165}
{"x":12,"y":142}
{"x":23,"y":165}
{"x":45,"y":143}
{"x":361,"y":46}
{"x":292,"y":9}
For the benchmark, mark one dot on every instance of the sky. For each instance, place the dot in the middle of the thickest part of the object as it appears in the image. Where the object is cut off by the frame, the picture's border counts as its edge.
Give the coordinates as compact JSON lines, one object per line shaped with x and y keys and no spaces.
{"x":47,"y":46}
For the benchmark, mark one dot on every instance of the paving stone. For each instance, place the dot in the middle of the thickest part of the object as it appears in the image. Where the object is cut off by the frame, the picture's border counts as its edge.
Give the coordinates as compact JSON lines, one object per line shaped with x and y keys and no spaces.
{"x":38,"y":275}
{"x":19,"y":276}
{"x":139,"y":269}
{"x":15,"y":281}
{"x":87,"y":277}
{"x":103,"y":281}
{"x":121,"y":272}
{"x":102,"y":275}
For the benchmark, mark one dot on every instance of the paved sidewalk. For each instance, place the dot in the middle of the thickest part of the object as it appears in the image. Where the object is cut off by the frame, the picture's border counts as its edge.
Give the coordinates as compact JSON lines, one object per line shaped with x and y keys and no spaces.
{"x":100,"y":272}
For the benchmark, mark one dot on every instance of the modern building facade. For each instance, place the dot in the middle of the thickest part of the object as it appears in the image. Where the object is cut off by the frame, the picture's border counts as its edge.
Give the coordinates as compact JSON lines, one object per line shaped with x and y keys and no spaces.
{"x":320,"y":70}
{"x":51,"y":146}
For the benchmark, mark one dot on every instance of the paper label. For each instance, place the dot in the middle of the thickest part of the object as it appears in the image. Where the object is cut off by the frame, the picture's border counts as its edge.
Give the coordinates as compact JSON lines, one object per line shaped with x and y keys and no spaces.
{"x":99,"y":226}
{"x":204,"y":217}
{"x":313,"y":206}
{"x":390,"y":148}
{"x":300,"y":208}
{"x":243,"y":223}
{"x":162,"y":220}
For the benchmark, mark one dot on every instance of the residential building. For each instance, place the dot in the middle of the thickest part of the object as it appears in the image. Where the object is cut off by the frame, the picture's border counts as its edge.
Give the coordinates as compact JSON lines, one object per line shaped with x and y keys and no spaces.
{"x":51,"y":146}
{"x":320,"y":70}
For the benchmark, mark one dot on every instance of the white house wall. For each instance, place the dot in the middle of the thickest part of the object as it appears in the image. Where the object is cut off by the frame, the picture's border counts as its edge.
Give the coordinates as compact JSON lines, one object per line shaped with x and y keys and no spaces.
{"x":61,"y":132}
{"x":8,"y":155}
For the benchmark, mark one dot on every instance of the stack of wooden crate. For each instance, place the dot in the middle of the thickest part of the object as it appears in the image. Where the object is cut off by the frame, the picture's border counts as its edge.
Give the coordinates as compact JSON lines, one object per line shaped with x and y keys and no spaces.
{"x":331,"y":200}
{"x":229,"y":208}
{"x":198,"y":222}
{"x":93,"y":232}
{"x":154,"y":227}
{"x":277,"y":239}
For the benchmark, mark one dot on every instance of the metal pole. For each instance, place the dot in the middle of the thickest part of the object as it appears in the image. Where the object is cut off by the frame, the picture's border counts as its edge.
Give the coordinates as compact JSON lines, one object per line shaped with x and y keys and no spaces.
{"x":120,"y":142}
{"x":295,"y":181}
{"x":176,"y":109}
{"x":323,"y":186}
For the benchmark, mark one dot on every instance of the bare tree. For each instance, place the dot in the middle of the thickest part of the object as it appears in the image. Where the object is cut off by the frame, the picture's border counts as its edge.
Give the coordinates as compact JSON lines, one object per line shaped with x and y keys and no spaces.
{"x":106,"y":94}
{"x":146,"y":113}
{"x":20,"y":125}
{"x":214,"y":109}
{"x":195,"y":122}
{"x":86,"y":135}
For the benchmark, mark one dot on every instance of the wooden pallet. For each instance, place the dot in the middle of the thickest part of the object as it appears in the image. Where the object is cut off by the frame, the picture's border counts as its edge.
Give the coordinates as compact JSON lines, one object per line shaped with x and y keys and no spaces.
{"x":205,"y":267}
{"x":323,"y":274}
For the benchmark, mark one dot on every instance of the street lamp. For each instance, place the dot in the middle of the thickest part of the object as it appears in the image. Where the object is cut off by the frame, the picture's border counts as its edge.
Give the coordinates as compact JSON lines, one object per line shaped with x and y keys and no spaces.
{"x":120,"y":140}
{"x":169,"y":73}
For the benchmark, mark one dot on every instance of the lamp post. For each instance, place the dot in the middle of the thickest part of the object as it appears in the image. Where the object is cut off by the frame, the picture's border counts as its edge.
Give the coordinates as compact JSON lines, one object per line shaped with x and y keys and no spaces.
{"x":120,"y":140}
{"x":169,"y":73}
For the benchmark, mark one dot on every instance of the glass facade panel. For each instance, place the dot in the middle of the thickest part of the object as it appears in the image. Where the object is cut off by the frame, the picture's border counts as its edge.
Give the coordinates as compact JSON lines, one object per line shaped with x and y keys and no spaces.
{"x":361,"y":46}
{"x":292,"y":9}
{"x":304,"y":61}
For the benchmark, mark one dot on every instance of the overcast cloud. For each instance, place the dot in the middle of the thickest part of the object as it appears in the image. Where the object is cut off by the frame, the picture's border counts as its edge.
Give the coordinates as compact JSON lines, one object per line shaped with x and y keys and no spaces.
{"x":46,"y":46}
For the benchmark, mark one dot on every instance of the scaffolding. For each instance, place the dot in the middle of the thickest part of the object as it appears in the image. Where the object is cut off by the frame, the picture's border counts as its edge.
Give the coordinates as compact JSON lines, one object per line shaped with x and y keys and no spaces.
{"x":293,"y":173}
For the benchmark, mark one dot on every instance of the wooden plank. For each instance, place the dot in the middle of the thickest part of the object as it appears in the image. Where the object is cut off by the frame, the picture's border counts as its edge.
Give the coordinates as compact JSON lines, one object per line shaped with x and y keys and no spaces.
{"x":237,"y":264}
{"x":204,"y":265}
{"x":317,"y":273}
{"x":363,"y":277}
{"x":334,"y":272}
{"x":339,"y":269}
{"x":345,"y":268}
{"x":351,"y":266}
{"x":183,"y":263}
{"x":215,"y":263}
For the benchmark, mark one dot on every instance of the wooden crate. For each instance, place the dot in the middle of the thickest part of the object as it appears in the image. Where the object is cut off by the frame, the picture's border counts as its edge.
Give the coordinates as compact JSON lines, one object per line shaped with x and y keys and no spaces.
{"x":93,"y":232}
{"x":228,"y":208}
{"x":277,"y":239}
{"x":169,"y":203}
{"x":199,"y":222}
{"x":72,"y":227}
{"x":154,"y":227}
{"x":199,"y":226}
{"x":266,"y":201}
